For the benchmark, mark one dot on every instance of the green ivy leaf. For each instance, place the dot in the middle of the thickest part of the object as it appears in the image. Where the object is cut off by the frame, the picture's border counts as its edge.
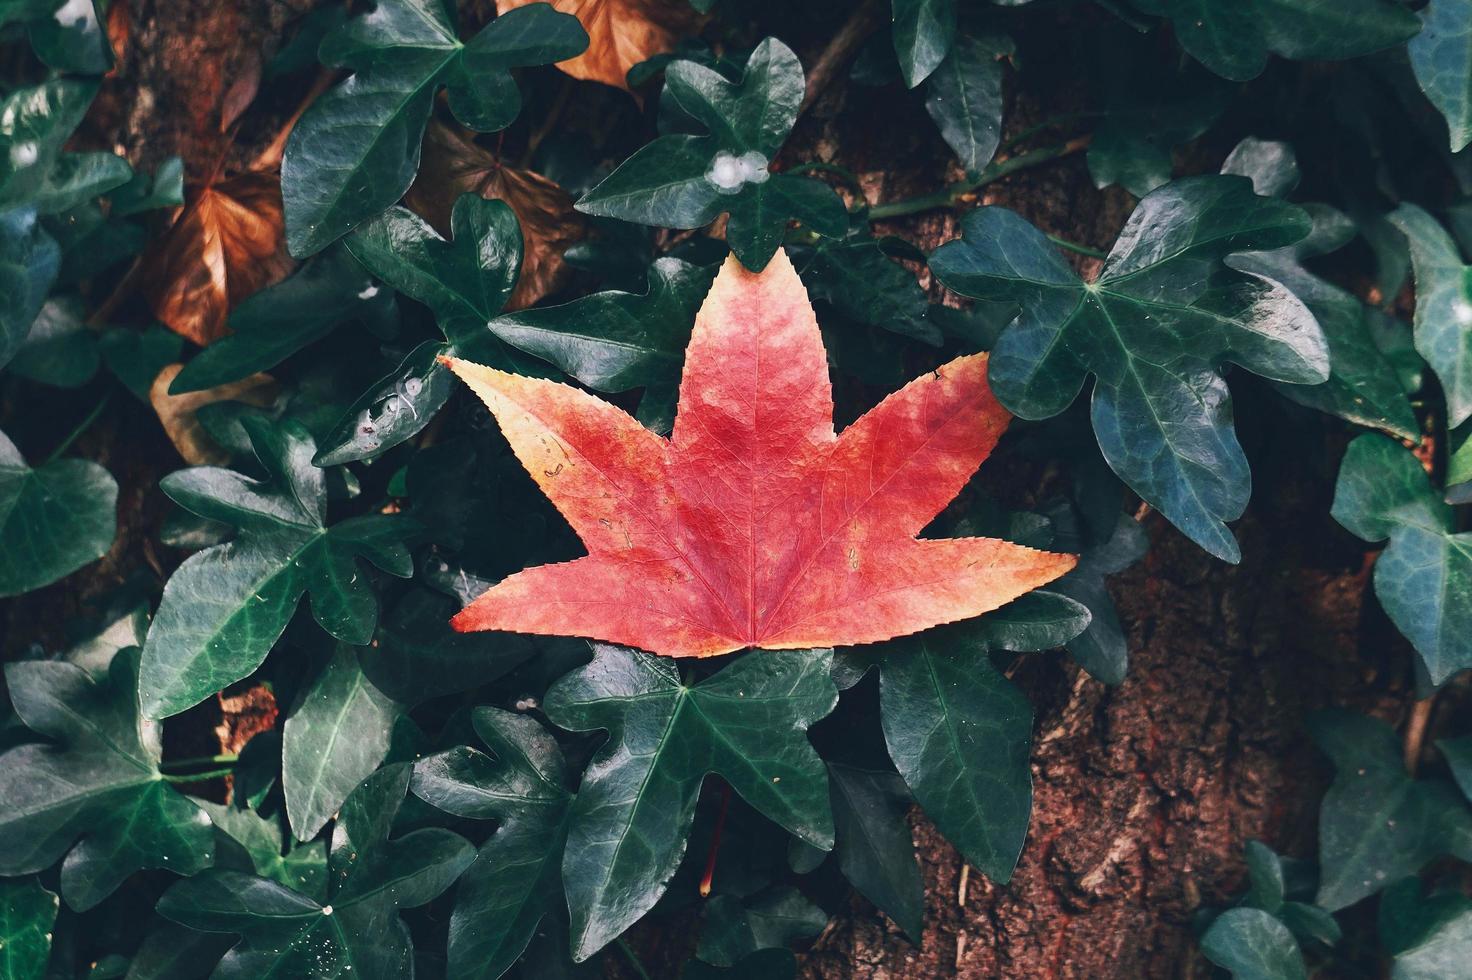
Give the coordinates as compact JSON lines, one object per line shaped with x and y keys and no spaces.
{"x":1101,"y":649}
{"x":866,"y":286}
{"x":29,"y":262}
{"x":923,"y":31}
{"x":1443,"y":307}
{"x":1441,"y":56}
{"x":100,"y":781}
{"x":22,"y":11}
{"x":333,"y":740}
{"x":27,"y":916}
{"x":72,"y":39}
{"x":418,"y":656}
{"x":285,"y":933}
{"x":873,"y":844}
{"x":224,"y":608}
{"x":964,"y":98}
{"x":1458,"y":752}
{"x":1430,"y":936}
{"x":1363,"y":386}
{"x":136,"y":357}
{"x":1253,"y":945}
{"x":1233,"y":39}
{"x":683,"y":181}
{"x":356,"y":150}
{"x":960,"y":733}
{"x":1155,"y":329}
{"x":1376,"y":824}
{"x":60,"y":350}
{"x":270,"y":326}
{"x":733,"y":928}
{"x":35,"y":123}
{"x":53,"y":519}
{"x":1424,"y":578}
{"x":613,"y":341}
{"x":465,"y":282}
{"x":637,"y":800}
{"x":515,"y":881}
{"x":247,"y":841}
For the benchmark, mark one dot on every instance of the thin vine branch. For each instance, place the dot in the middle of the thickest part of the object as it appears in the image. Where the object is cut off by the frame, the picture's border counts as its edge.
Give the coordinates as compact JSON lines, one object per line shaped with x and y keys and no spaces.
{"x":961,"y":191}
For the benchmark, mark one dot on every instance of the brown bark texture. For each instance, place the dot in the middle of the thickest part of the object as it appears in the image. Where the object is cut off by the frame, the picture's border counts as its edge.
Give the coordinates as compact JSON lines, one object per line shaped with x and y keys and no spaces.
{"x":1144,"y":793}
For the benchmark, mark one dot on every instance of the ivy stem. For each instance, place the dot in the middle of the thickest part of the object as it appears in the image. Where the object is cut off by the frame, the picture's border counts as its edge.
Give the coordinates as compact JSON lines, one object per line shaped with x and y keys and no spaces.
{"x":715,"y":842}
{"x":994,"y":171}
{"x":82,"y":427}
{"x":196,"y":777}
{"x":227,"y":759}
{"x":1092,"y":253}
{"x":633,"y":960}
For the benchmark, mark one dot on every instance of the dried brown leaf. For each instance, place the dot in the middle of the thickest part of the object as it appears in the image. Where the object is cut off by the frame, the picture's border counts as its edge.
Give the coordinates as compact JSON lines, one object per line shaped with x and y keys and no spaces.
{"x":180,"y":413}
{"x":227,"y":243}
{"x":454,"y":164}
{"x":621,"y":33}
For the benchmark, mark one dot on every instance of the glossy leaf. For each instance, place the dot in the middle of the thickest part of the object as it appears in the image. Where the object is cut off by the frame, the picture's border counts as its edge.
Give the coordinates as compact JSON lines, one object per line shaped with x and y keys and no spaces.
{"x":54,"y":518}
{"x":1376,"y":824}
{"x":613,"y":341}
{"x":335,"y":739}
{"x":356,"y":151}
{"x":733,"y":928}
{"x":1233,"y":39}
{"x":29,"y":261}
{"x":224,"y":608}
{"x":247,"y":841}
{"x":1443,"y":307}
{"x":683,"y":181}
{"x":637,"y":799}
{"x":99,"y":782}
{"x":865,"y":285}
{"x":372,"y":878}
{"x":1430,"y":937}
{"x":1149,"y":111}
{"x":1101,"y":648}
{"x":1442,"y":58}
{"x":964,"y":98}
{"x":1424,"y":578}
{"x":621,"y":33}
{"x":27,"y":914}
{"x":60,"y":350}
{"x":1252,"y":945}
{"x":1155,"y":329}
{"x":924,"y":31}
{"x":35,"y":122}
{"x":515,"y":881}
{"x":875,"y":852}
{"x":688,"y":558}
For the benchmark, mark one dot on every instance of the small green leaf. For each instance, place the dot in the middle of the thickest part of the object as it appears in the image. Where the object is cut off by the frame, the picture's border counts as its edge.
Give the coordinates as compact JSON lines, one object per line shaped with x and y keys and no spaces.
{"x":866,"y":286}
{"x":873,"y":844}
{"x":1253,"y":945}
{"x":1101,"y":648}
{"x":35,"y":122}
{"x":21,"y":11}
{"x":53,"y":519}
{"x":964,"y":98}
{"x":224,"y":608}
{"x":100,"y":781}
{"x":1376,"y":824}
{"x":614,"y":341}
{"x":516,"y":879}
{"x":60,"y":350}
{"x":1424,"y":578}
{"x":250,"y":842}
{"x":733,"y":928}
{"x":29,"y":262}
{"x":270,"y":326}
{"x":682,"y":181}
{"x":72,"y":39}
{"x":1442,"y":58}
{"x":637,"y":799}
{"x":418,"y":656}
{"x":1443,"y":307}
{"x":1233,"y":39}
{"x":356,"y":150}
{"x":1155,"y":329}
{"x":924,"y":31}
{"x":1430,"y":936}
{"x":27,"y":915}
{"x":137,"y":356}
{"x":333,"y":740}
{"x":357,"y":932}
{"x":1150,"y":110}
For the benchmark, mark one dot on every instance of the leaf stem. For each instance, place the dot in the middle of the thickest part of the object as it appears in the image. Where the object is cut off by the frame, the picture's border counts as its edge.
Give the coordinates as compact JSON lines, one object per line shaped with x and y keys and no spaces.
{"x":1092,"y":253}
{"x":633,"y":960}
{"x":715,"y":841}
{"x":82,"y":427}
{"x":227,"y":759}
{"x":196,"y":777}
{"x":994,"y":171}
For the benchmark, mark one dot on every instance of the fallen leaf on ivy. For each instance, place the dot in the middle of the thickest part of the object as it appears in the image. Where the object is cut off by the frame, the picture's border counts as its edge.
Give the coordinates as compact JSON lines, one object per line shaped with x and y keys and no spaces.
{"x":755,"y":524}
{"x":226,"y":244}
{"x":180,"y":413}
{"x":621,"y":33}
{"x":455,"y":164}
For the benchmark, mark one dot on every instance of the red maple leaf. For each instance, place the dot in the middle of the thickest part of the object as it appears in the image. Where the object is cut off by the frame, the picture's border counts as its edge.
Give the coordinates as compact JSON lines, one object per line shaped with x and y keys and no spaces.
{"x":755,"y":525}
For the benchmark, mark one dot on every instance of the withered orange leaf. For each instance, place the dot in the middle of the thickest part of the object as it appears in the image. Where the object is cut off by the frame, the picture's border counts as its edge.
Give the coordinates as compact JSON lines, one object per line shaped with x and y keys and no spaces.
{"x":621,"y":33}
{"x":454,"y":164}
{"x":179,"y":414}
{"x":227,"y":243}
{"x":755,"y":525}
